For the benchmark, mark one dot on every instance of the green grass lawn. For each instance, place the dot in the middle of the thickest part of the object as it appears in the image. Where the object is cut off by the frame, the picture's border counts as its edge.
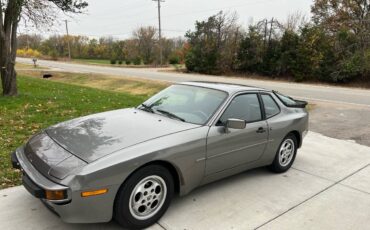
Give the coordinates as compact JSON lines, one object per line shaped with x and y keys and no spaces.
{"x":42,"y":103}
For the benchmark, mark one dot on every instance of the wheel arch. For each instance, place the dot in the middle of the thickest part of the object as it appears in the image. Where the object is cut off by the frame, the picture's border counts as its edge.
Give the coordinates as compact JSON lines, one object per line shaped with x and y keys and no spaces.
{"x":176,"y":175}
{"x":297,"y":136}
{"x":169,"y":166}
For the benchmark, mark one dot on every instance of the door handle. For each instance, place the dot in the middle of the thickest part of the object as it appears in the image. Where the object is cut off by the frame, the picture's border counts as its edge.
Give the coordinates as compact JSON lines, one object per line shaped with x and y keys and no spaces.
{"x":261,"y":130}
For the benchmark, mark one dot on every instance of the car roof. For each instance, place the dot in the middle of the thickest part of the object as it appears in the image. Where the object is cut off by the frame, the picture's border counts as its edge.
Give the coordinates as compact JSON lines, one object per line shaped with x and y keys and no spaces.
{"x":228,"y":87}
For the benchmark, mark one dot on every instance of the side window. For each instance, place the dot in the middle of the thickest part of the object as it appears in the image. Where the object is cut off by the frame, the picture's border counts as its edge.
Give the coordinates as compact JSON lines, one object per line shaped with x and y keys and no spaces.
{"x":271,"y":108}
{"x":245,"y":107}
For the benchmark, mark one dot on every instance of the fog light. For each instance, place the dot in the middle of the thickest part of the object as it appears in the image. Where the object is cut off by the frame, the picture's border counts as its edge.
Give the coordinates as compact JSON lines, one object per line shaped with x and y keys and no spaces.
{"x":56,"y":195}
{"x":94,"y":193}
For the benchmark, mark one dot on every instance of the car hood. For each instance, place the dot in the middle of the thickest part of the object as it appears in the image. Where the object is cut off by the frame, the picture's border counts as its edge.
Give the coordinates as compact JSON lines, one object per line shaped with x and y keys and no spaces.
{"x":95,"y":136}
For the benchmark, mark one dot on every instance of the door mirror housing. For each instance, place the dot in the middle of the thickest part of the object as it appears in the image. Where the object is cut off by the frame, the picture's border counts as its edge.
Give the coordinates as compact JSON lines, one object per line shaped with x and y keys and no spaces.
{"x":235,"y":124}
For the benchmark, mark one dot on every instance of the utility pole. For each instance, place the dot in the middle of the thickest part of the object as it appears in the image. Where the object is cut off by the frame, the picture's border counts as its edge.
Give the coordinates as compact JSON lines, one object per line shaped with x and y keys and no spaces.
{"x":160,"y":30}
{"x":265,"y":37}
{"x":271,"y":28}
{"x":69,"y":46}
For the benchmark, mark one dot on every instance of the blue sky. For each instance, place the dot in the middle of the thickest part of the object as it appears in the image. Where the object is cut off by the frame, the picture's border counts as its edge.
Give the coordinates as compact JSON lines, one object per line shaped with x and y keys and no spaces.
{"x":120,"y":17}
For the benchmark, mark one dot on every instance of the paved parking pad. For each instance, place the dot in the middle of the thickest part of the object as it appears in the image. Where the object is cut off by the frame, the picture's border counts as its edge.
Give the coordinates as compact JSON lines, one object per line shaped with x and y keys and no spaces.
{"x":328,"y":188}
{"x":331,"y":158}
{"x":243,"y":202}
{"x":337,"y":208}
{"x":360,"y":180}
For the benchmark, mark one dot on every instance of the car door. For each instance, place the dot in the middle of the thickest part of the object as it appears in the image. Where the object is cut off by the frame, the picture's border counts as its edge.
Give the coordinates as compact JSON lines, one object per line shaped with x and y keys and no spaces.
{"x":231,"y":148}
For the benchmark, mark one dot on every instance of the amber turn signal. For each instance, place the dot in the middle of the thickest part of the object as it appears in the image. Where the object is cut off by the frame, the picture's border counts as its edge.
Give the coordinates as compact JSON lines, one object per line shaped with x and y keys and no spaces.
{"x":56,"y":195}
{"x":94,"y":193}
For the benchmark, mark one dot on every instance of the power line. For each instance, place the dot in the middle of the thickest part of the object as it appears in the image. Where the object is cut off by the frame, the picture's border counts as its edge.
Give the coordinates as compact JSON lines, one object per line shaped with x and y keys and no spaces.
{"x":113,"y":16}
{"x":219,"y":9}
{"x":121,"y":34}
{"x":170,"y":30}
{"x":129,"y":22}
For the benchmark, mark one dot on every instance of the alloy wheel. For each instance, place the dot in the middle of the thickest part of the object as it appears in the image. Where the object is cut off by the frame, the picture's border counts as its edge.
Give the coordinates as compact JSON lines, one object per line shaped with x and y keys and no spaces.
{"x":147,"y":197}
{"x":286,"y":152}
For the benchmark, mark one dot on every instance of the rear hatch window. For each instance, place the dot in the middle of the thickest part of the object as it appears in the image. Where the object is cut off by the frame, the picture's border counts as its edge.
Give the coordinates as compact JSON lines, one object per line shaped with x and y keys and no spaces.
{"x":290,"y":102}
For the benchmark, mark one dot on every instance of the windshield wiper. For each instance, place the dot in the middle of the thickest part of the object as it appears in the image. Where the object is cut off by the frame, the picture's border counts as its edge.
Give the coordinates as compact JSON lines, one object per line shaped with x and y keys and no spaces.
{"x":147,"y":108}
{"x":171,"y":115}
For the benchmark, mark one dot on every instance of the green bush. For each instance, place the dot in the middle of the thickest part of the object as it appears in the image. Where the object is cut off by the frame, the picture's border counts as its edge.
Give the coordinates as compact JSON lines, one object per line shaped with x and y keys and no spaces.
{"x":350,"y":68}
{"x":249,"y":56}
{"x":113,"y":61}
{"x":190,"y":62}
{"x":128,"y":62}
{"x":174,"y":60}
{"x":137,"y":61}
{"x":53,"y":54}
{"x":120,"y":62}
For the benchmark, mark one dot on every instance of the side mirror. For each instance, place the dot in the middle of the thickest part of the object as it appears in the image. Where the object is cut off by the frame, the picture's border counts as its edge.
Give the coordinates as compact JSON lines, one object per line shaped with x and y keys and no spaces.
{"x":235,"y":124}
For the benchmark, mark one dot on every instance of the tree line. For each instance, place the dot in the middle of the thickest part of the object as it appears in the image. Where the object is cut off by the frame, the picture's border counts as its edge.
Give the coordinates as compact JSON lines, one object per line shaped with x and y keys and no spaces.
{"x":334,"y":46}
{"x":141,"y":48}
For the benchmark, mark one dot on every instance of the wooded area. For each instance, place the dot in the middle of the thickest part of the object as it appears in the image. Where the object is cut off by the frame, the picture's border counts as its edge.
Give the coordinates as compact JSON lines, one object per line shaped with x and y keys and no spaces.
{"x":332,"y":46}
{"x":142,"y":48}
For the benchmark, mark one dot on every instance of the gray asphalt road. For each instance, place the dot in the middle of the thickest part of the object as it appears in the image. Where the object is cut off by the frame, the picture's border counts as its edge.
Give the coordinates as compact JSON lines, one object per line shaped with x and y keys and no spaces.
{"x":340,"y":112}
{"x":305,"y":91}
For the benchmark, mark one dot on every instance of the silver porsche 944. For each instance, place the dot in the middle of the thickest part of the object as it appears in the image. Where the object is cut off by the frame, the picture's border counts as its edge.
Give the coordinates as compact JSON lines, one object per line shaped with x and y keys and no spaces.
{"x":128,"y":164}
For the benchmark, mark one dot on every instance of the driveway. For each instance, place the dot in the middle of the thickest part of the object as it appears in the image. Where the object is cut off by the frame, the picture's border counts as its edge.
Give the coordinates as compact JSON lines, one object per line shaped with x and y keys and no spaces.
{"x":327,"y":188}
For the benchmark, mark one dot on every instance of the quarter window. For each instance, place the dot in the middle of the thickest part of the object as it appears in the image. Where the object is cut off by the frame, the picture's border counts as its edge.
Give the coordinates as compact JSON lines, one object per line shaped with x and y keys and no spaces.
{"x":245,"y":107}
{"x":271,"y":108}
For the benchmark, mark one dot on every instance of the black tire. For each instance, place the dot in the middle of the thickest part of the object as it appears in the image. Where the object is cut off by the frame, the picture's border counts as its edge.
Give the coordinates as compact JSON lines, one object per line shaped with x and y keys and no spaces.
{"x":279,"y":167}
{"x":122,"y":206}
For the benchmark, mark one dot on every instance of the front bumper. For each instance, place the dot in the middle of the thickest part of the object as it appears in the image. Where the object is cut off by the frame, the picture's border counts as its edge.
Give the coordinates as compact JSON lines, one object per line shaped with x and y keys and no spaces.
{"x":31,"y":187}
{"x":74,"y":209}
{"x":35,"y":182}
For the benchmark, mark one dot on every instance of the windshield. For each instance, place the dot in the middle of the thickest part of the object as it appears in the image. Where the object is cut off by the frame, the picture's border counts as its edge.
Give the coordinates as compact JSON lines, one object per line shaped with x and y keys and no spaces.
{"x":186,"y":103}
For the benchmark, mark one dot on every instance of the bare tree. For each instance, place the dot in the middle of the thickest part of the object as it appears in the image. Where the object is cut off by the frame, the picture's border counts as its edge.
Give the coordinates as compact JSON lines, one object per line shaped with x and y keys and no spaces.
{"x":39,"y":12}
{"x":269,"y":30}
{"x":146,"y":37}
{"x":26,"y":41}
{"x":232,"y":34}
{"x":294,"y":21}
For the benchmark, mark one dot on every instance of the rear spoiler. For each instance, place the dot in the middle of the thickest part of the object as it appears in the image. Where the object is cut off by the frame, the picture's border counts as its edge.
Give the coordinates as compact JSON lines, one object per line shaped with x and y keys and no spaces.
{"x":291,"y":102}
{"x":300,"y":104}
